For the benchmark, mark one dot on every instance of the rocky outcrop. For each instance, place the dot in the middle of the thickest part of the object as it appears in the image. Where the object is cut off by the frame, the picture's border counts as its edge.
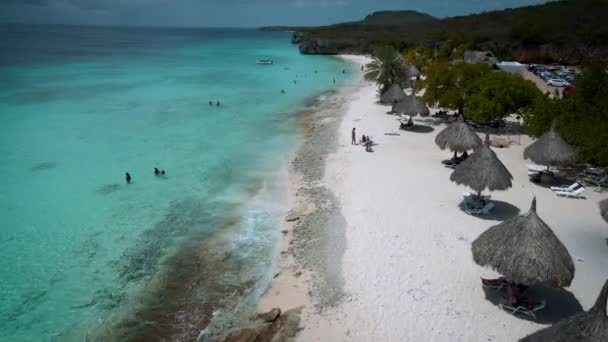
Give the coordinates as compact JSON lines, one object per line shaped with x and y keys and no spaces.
{"x":283,"y":328}
{"x":323,"y":46}
{"x":269,"y":316}
{"x":296,"y":37}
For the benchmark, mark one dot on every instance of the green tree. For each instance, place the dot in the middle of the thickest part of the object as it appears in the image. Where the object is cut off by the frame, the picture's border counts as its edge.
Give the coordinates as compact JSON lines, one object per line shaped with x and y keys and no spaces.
{"x":499,"y":94}
{"x":448,"y":85}
{"x":418,"y":56}
{"x":386,"y":69}
{"x":581,"y":116}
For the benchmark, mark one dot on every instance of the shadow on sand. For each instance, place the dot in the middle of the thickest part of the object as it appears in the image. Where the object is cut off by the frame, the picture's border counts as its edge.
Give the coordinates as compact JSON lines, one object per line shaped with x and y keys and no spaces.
{"x":502,"y":211}
{"x":556,"y":180}
{"x":420,"y":129}
{"x":559,"y":303}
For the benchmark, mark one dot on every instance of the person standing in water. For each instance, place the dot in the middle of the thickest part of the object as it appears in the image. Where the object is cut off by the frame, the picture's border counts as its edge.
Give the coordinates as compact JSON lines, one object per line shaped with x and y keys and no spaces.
{"x":210,"y":103}
{"x":218,"y":103}
{"x":128,"y":177}
{"x":354,"y":137}
{"x":156,"y":171}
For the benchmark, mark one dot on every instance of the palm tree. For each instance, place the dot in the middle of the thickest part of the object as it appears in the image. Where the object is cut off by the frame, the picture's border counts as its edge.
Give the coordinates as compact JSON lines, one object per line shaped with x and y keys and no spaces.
{"x":386,"y":69}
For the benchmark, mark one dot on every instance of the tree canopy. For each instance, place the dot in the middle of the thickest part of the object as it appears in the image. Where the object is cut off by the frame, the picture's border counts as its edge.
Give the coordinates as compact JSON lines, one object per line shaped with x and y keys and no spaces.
{"x":447,"y":85}
{"x":476,"y":91}
{"x":499,"y":94}
{"x":581,"y":116}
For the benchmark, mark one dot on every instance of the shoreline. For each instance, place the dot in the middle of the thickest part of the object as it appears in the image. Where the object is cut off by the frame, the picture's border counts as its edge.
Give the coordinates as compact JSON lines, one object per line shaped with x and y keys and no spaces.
{"x":308,"y":272}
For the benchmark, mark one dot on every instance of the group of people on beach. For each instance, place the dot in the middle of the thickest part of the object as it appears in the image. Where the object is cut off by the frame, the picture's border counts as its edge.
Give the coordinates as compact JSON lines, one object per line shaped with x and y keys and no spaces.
{"x":157,"y":173}
{"x":365,"y":140}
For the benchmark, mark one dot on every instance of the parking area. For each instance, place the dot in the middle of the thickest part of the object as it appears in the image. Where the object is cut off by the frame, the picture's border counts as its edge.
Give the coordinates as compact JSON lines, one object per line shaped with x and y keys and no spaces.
{"x":555,"y":76}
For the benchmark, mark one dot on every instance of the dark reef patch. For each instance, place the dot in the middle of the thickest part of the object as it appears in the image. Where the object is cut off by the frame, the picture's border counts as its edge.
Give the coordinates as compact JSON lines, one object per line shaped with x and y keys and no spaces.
{"x":43,"y":166}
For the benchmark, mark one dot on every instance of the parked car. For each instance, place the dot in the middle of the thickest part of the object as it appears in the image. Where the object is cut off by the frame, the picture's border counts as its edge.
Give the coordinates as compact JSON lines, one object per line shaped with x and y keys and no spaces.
{"x":556,"y":82}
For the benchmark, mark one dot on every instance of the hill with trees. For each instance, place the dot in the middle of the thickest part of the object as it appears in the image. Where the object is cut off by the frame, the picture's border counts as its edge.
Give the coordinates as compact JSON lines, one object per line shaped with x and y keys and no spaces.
{"x":569,"y":32}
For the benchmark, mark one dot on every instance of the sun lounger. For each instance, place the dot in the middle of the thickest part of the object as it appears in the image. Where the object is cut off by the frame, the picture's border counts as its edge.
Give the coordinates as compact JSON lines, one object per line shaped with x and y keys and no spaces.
{"x":539,"y":168}
{"x":572,"y":187}
{"x":597,"y":181}
{"x":495,"y":284}
{"x":578,"y":193}
{"x":479,"y":211}
{"x":530,"y":308}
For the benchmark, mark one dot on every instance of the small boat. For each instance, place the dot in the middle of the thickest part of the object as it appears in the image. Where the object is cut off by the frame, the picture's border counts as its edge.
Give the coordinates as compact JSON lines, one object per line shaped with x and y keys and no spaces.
{"x":264,"y":61}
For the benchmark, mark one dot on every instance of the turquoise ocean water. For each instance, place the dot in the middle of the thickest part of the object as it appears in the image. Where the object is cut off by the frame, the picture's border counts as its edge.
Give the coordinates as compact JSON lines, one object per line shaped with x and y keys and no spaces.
{"x":84,"y":254}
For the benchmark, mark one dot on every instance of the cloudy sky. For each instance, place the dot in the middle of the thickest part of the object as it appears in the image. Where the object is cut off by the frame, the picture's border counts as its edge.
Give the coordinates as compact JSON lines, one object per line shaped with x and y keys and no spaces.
{"x":228,"y":13}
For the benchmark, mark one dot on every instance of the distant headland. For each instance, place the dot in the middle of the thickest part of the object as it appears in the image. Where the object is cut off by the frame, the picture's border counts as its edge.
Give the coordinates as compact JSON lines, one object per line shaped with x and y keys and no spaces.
{"x":568,"y":32}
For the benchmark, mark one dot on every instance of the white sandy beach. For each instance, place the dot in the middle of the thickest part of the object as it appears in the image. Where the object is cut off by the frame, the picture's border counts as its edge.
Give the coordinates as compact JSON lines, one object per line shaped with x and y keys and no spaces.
{"x":407,"y":268}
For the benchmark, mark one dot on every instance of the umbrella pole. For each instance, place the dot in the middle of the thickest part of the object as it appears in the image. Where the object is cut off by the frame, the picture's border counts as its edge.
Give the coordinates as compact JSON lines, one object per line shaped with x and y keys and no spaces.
{"x":454,"y":155}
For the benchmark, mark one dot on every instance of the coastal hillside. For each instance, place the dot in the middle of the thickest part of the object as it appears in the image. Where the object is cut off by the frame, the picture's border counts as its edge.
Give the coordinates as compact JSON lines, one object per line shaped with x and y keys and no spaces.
{"x":568,"y":32}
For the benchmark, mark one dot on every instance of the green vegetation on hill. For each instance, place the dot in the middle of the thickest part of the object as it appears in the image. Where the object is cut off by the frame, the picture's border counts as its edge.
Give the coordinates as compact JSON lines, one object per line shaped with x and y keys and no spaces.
{"x":397,"y":18}
{"x":568,"y":31}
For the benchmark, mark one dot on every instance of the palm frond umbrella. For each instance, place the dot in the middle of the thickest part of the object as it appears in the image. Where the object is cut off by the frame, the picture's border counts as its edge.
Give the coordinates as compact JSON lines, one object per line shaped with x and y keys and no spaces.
{"x":458,"y":137}
{"x":393,"y":95}
{"x":412,"y":71}
{"x":411,"y":105}
{"x":550,"y":149}
{"x":483,"y":170}
{"x":589,"y":326}
{"x":525,"y":250}
{"x":604,"y":209}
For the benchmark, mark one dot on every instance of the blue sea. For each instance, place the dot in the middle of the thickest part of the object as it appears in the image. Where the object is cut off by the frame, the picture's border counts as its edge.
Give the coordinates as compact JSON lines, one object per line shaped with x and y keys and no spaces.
{"x":86,"y":256}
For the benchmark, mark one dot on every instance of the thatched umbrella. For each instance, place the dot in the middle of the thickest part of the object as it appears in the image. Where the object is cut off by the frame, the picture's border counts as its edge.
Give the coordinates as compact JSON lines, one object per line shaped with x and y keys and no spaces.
{"x":411,"y":105}
{"x":525,"y":250}
{"x":458,"y":137}
{"x":412,"y":71}
{"x":393,"y":95}
{"x":483,"y":170}
{"x":589,"y":326}
{"x":604,"y":209}
{"x":550,"y":149}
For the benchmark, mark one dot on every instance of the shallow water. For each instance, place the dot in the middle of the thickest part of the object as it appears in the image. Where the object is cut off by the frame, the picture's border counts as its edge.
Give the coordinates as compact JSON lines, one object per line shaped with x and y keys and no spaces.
{"x":81,"y":249}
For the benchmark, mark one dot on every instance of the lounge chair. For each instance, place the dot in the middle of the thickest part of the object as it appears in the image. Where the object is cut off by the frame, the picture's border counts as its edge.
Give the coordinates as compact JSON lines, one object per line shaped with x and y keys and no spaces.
{"x":473,"y":196}
{"x":479,"y":211}
{"x":578,"y":193}
{"x":598,"y":181}
{"x":539,"y":168}
{"x":495,"y":284}
{"x":572,"y":187}
{"x":527,"y":307}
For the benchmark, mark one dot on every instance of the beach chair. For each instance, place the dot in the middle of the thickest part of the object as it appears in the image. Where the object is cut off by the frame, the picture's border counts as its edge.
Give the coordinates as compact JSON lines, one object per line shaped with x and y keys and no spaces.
{"x":495,"y":284}
{"x":572,"y":187}
{"x":534,"y":168}
{"x":578,"y":193}
{"x":473,"y":196}
{"x":479,"y":211}
{"x":528,"y":308}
